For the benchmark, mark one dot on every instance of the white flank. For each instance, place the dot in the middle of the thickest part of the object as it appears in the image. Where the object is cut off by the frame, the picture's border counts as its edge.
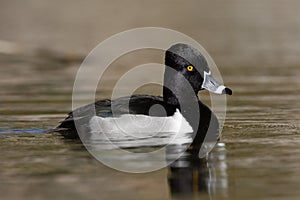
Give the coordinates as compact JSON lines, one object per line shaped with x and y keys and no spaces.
{"x":142,"y":126}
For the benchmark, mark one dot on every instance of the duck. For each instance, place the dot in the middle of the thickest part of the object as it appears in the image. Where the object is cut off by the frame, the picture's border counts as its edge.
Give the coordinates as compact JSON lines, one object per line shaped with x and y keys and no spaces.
{"x":186,"y":73}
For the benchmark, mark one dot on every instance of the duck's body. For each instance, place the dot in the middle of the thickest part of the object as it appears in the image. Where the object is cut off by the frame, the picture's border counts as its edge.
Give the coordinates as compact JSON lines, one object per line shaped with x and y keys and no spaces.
{"x":139,"y":105}
{"x":187,"y":73}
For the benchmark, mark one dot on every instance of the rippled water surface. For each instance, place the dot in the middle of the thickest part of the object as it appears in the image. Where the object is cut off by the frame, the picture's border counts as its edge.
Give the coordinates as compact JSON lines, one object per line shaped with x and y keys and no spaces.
{"x":258,"y":156}
{"x":259,"y":159}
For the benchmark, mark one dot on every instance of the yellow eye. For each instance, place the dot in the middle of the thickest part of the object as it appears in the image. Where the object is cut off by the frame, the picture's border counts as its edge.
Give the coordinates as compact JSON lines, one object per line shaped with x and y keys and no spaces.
{"x":190,"y":68}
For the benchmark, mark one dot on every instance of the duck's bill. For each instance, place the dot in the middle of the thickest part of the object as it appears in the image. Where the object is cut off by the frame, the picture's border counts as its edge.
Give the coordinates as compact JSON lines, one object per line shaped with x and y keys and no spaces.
{"x":212,"y":85}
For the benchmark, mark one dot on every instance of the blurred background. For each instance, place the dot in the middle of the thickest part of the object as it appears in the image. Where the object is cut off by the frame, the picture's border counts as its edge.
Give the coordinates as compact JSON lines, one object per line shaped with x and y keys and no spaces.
{"x":255,"y":44}
{"x":238,"y":32}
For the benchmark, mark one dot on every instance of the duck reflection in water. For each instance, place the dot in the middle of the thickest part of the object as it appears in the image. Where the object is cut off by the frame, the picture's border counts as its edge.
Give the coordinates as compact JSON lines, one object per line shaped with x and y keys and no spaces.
{"x":194,"y":177}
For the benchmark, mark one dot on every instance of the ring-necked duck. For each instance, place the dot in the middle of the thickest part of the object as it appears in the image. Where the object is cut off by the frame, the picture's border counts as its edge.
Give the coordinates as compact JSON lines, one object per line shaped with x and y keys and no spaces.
{"x":187,"y":67}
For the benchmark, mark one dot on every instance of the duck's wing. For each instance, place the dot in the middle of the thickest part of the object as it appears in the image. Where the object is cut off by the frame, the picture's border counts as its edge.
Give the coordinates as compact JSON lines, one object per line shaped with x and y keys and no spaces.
{"x":136,"y":104}
{"x":81,"y":115}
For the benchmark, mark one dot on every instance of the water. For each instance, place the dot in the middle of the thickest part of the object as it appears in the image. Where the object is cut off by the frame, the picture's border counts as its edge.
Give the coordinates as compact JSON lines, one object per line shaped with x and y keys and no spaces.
{"x":260,"y":158}
{"x":256,"y":50}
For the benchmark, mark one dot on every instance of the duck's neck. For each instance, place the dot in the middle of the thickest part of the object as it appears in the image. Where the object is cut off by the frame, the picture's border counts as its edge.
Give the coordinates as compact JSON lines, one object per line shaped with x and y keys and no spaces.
{"x":169,"y":97}
{"x":177,"y":91}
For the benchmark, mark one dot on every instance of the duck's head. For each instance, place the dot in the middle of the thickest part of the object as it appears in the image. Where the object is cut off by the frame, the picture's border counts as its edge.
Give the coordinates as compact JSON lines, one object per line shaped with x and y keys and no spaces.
{"x":189,"y":63}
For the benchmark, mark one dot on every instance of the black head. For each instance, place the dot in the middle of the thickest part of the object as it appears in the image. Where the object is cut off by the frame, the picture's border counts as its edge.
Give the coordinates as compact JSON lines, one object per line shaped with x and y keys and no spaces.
{"x":192,"y":65}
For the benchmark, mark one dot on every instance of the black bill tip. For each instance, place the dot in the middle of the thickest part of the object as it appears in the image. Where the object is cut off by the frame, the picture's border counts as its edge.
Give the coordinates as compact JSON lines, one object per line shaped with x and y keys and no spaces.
{"x":228,"y":91}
